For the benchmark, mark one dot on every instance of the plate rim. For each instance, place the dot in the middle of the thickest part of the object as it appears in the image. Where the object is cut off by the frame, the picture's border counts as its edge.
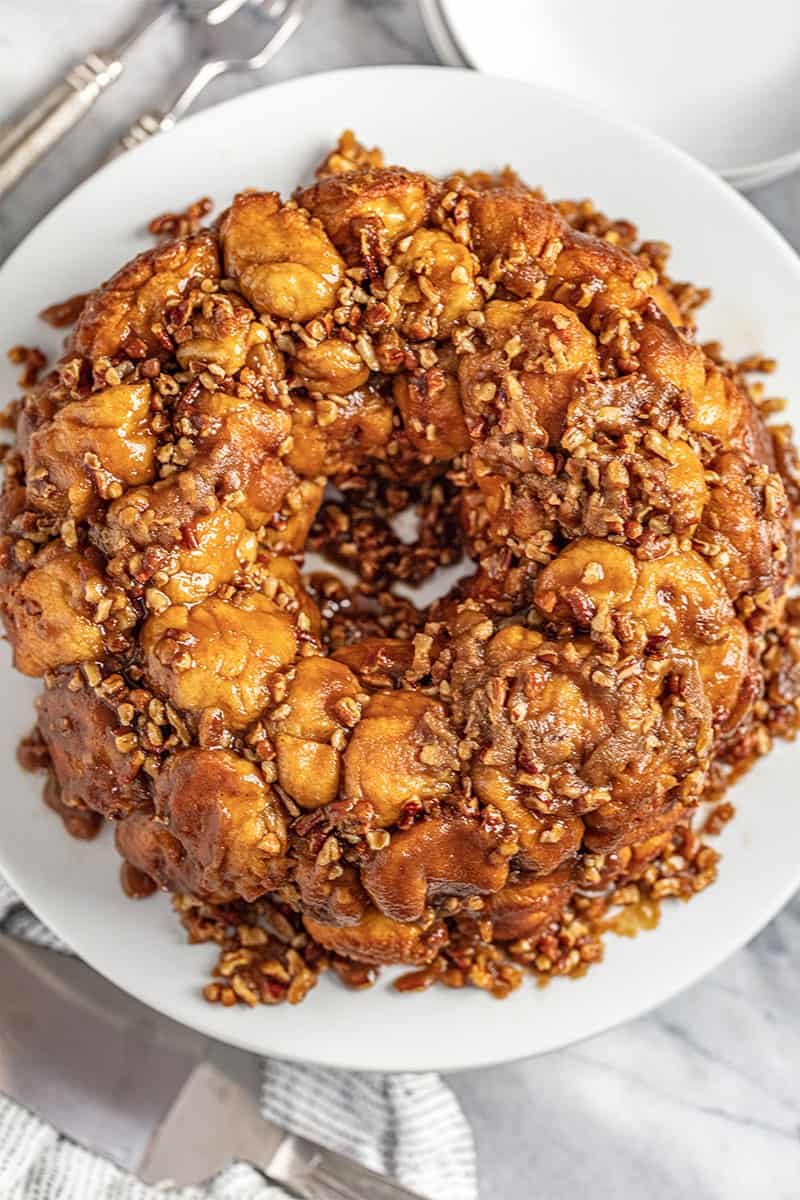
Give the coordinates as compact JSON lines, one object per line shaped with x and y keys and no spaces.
{"x":561,"y":96}
{"x":745,"y":931}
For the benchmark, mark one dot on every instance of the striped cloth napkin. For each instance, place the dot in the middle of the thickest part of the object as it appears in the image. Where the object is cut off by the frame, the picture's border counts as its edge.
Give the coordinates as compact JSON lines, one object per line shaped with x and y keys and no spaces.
{"x":407,"y":1126}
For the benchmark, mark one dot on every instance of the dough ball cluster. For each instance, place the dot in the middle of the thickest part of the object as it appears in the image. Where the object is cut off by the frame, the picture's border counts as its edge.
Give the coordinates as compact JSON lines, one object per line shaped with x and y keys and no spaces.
{"x":542,"y":729}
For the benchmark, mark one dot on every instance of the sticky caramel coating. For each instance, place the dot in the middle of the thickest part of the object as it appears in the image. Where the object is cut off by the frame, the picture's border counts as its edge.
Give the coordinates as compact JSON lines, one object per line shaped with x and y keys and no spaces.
{"x":47,"y":611}
{"x":375,"y":939}
{"x":71,"y":717}
{"x":107,"y":434}
{"x":401,"y":751}
{"x":524,"y":906}
{"x":147,"y":845}
{"x":322,"y":703}
{"x":284,"y":264}
{"x":543,"y":726}
{"x":365,"y":212}
{"x":227,"y":821}
{"x":677,"y":597}
{"x":544,"y":841}
{"x":332,"y":896}
{"x":450,"y":856}
{"x":126,"y":315}
{"x":218,"y":654}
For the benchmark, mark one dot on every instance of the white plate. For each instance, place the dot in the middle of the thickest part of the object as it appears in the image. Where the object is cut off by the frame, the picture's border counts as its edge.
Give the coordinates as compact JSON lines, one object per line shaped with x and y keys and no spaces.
{"x":716,"y":78}
{"x":435,"y":120}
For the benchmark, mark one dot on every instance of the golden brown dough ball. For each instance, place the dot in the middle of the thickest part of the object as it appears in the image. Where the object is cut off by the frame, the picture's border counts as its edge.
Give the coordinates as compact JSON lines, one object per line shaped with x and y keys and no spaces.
{"x":154,"y":537}
{"x":223,"y":332}
{"x":92,"y":447}
{"x":219,"y":546}
{"x":332,"y":895}
{"x":321,"y":705}
{"x":228,"y":821}
{"x":219,"y":654}
{"x":744,"y":526}
{"x":149,"y":846}
{"x":560,"y":714}
{"x":525,"y":905}
{"x":676,"y":597}
{"x":510,"y":232}
{"x":680,"y":596}
{"x":330,"y":367}
{"x":126,"y":315}
{"x":86,"y":742}
{"x":50,"y":611}
{"x":239,"y":442}
{"x":437,"y":856}
{"x":376,"y":939}
{"x":430,"y":405}
{"x":284,"y":264}
{"x":367,"y":211}
{"x":402,"y":750}
{"x":288,"y":531}
{"x":587,"y":574}
{"x":330,"y":434}
{"x":545,"y":842}
{"x":437,"y":283}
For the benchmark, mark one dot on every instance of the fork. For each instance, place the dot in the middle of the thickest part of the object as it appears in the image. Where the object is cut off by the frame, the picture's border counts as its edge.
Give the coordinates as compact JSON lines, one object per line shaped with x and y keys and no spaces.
{"x":286,"y":16}
{"x":25,"y":141}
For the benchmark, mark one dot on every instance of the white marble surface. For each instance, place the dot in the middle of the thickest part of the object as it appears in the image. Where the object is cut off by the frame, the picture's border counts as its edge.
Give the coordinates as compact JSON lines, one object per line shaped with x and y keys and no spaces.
{"x":702,"y":1097}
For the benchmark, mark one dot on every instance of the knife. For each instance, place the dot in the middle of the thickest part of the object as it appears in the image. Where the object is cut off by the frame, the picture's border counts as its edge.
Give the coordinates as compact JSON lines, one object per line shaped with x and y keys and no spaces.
{"x":154,"y":1097}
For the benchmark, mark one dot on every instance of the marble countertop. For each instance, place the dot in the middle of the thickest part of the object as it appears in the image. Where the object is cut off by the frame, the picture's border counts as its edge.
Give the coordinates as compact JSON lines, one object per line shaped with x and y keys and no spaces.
{"x":700,"y":1098}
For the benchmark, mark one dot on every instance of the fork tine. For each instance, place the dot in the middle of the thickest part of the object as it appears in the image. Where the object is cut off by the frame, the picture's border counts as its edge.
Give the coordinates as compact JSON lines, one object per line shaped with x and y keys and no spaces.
{"x":291,"y":18}
{"x":210,"y":12}
{"x":223,"y":10}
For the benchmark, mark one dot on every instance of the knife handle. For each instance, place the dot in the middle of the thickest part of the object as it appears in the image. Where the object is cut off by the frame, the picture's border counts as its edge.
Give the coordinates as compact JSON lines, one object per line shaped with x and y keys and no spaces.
{"x":26,"y":141}
{"x":313,"y":1173}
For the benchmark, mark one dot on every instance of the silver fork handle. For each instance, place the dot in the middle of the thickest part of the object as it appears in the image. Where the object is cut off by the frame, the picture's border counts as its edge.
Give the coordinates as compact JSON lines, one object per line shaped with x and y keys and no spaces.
{"x":147,"y":126}
{"x":25,"y":142}
{"x":314,"y":1173}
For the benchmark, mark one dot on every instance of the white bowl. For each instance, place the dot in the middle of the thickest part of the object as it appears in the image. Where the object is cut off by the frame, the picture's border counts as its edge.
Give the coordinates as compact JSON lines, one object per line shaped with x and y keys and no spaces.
{"x":720,"y":80}
{"x":436,"y":120}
